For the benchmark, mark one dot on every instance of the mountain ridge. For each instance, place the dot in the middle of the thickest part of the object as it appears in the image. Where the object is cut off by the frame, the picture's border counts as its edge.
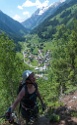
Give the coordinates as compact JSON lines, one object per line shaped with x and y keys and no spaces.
{"x":39,"y":17}
{"x":17,"y":31}
{"x":64,"y":15}
{"x":11,"y":27}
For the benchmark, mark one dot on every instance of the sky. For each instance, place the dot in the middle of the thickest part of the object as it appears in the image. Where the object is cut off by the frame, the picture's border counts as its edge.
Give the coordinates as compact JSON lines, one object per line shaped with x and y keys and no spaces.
{"x":21,"y":10}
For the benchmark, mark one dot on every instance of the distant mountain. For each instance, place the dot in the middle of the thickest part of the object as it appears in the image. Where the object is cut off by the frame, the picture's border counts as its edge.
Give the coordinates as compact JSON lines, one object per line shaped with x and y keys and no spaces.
{"x":12,"y":28}
{"x":65,"y":14}
{"x":41,"y":14}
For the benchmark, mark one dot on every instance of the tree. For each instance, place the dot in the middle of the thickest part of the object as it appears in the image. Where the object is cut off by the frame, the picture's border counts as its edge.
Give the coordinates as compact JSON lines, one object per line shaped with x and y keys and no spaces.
{"x":63,"y":64}
{"x":10,"y":70}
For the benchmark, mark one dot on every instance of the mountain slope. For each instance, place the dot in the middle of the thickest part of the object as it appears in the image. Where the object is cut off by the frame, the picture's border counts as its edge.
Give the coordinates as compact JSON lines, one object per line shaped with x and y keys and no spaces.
{"x":64,"y":15}
{"x":40,"y":15}
{"x":11,"y":27}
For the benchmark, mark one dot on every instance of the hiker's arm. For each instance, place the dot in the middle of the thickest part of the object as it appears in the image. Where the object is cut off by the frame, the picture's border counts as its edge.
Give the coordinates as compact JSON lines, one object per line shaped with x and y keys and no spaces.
{"x":42,"y":103}
{"x":18,"y":99}
{"x":39,"y":96}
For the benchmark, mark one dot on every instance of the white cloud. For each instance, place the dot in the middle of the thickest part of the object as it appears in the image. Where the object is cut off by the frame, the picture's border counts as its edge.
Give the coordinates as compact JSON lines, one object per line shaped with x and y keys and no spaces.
{"x":37,"y":4}
{"x":44,"y":4}
{"x":28,"y":3}
{"x":62,"y":1}
{"x":18,"y":18}
{"x":20,"y":7}
{"x":26,"y":14}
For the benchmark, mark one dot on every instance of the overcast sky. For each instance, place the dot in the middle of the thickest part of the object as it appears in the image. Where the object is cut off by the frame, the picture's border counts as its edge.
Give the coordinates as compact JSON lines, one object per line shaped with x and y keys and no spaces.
{"x":20,"y":10}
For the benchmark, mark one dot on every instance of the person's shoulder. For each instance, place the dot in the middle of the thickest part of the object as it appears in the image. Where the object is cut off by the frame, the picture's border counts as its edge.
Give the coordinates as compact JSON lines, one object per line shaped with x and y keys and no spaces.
{"x":36,"y":85}
{"x":22,"y":93}
{"x":23,"y":87}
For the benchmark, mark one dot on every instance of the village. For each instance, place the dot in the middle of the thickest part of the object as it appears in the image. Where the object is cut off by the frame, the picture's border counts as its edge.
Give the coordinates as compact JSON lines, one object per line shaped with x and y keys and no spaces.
{"x":43,"y":61}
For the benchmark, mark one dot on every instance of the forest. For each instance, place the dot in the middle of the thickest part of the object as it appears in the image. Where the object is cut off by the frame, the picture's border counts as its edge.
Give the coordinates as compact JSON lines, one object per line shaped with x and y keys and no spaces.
{"x":50,"y":51}
{"x":62,"y":71}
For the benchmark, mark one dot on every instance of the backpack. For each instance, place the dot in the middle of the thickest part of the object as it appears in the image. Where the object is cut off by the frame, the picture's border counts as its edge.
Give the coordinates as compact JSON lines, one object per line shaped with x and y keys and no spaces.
{"x":21,"y":85}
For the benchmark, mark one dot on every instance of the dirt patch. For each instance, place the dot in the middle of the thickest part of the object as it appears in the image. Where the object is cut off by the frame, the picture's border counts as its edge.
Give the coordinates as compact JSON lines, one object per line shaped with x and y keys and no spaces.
{"x":67,"y":111}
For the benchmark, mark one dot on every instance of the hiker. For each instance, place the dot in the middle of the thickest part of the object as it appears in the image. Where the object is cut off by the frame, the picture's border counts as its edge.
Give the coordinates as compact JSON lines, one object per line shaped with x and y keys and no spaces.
{"x":27,"y":96}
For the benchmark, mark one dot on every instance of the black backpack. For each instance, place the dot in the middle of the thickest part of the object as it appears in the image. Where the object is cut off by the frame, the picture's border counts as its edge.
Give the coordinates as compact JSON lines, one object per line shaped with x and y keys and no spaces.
{"x":20,"y":87}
